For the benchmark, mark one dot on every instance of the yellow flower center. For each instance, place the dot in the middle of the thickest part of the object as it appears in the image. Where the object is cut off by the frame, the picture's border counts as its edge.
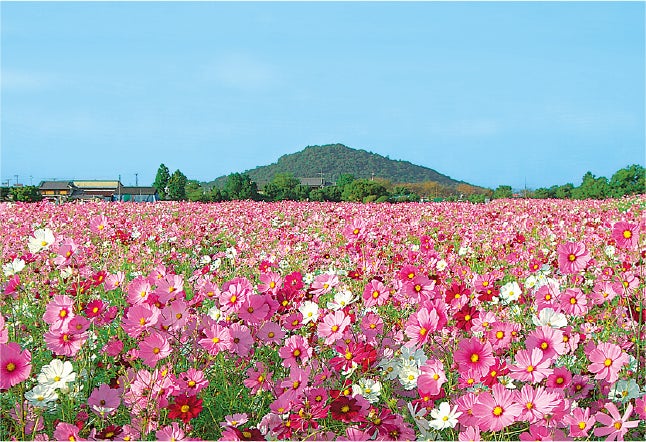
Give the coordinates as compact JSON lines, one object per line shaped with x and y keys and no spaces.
{"x":582,"y":425}
{"x":497,"y":411}
{"x":63,"y":313}
{"x":607,"y":362}
{"x":560,"y":380}
{"x":467,"y":317}
{"x":571,"y":257}
{"x":422,"y":331}
{"x":57,"y":378}
{"x":296,"y":353}
{"x":628,"y":234}
{"x":233,"y":299}
{"x":617,"y":425}
{"x":500,"y":334}
{"x":530,"y":368}
{"x":185,"y":408}
{"x":445,"y":418}
{"x":11,"y":367}
{"x":436,"y":376}
{"x":156,"y":350}
{"x":142,"y":321}
{"x":529,"y":405}
{"x":572,"y":301}
{"x":348,"y":355}
{"x":375,"y":294}
{"x":544,"y":345}
{"x":475,"y":358}
{"x":334,"y":328}
{"x":215,"y":340}
{"x":271,"y":334}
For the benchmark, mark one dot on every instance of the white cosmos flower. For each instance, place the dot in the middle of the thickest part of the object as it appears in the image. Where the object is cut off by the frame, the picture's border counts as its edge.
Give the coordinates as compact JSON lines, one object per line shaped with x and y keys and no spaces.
{"x":57,"y":374}
{"x":215,"y":313}
{"x":41,"y":395}
{"x":549,"y":317}
{"x":13,"y":267}
{"x":510,"y":292}
{"x":444,"y":417}
{"x":310,"y":311}
{"x":441,"y":265}
{"x":367,"y":388}
{"x":342,"y":298}
{"x":42,"y":239}
{"x":623,"y":391}
{"x":206,"y":259}
{"x":408,"y":375}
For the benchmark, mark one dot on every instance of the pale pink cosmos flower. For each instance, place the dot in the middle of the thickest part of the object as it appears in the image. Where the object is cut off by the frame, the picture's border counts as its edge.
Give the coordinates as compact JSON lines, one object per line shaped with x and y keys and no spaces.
{"x":421,"y":324}
{"x":154,"y":348}
{"x":140,"y":318}
{"x":332,"y":326}
{"x":15,"y":365}
{"x":324,"y":283}
{"x":607,"y":359}
{"x":254,"y":310}
{"x":64,"y":342}
{"x":258,"y":378}
{"x":169,"y":287}
{"x":138,"y":290}
{"x":65,"y":431}
{"x":470,"y":434}
{"x":270,"y":333}
{"x":432,"y":377}
{"x":218,"y":338}
{"x":616,"y":425}
{"x":172,"y":432}
{"x":548,"y":340}
{"x":573,"y":302}
{"x":59,"y":311}
{"x":295,"y":351}
{"x":241,"y":340}
{"x":572,"y":257}
{"x":536,"y":403}
{"x":580,"y":422}
{"x":530,"y":366}
{"x":234,"y":294}
{"x":375,"y":293}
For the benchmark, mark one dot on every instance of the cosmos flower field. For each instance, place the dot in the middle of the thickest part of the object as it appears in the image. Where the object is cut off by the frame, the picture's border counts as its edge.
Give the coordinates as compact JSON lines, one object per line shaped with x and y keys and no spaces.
{"x":512,"y":320}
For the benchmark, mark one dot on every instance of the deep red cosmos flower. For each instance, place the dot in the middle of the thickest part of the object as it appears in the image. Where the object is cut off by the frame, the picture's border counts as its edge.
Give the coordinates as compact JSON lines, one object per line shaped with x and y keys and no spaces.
{"x":348,"y":409}
{"x":185,"y":408}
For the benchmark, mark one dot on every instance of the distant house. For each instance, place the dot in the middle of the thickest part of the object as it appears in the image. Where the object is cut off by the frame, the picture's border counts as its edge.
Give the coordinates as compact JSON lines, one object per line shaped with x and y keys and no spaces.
{"x":57,"y":191}
{"x":136,"y":194}
{"x":314,"y":182}
{"x":95,"y":190}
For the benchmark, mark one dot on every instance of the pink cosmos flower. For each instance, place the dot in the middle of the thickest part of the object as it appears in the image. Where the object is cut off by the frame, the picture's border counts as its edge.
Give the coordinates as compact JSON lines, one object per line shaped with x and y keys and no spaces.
{"x":234,"y":294}
{"x":372,"y":325}
{"x":535,"y":403}
{"x":572,"y":257}
{"x":175,"y":316}
{"x":530,"y":366}
{"x":258,"y":378}
{"x":104,"y":400}
{"x":99,"y":224}
{"x":332,"y":326}
{"x":59,"y":311}
{"x":4,"y":331}
{"x":640,"y":407}
{"x":65,"y":431}
{"x":324,"y":283}
{"x":498,"y":410}
{"x":241,"y":340}
{"x":616,"y":426}
{"x":432,"y":377}
{"x":114,"y":281}
{"x":603,"y":292}
{"x":626,"y":235}
{"x":192,"y":381}
{"x":573,"y":302}
{"x":154,"y":348}
{"x":140,"y":318}
{"x":420,"y":324}
{"x":169,"y":287}
{"x":474,"y":355}
{"x":254,"y":310}
{"x":172,"y":432}
{"x":375,"y":293}
{"x":218,"y":338}
{"x":138,"y":290}
{"x":15,"y":365}
{"x":606,"y":361}
{"x":559,"y":379}
{"x":295,"y":351}
{"x":548,"y":340}
{"x":580,"y":422}
{"x":470,"y":434}
{"x":270,"y":333}
{"x":270,"y":282}
{"x":64,"y":343}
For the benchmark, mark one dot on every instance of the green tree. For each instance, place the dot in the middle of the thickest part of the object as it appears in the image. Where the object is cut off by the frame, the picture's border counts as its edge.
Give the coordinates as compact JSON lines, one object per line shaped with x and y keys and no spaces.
{"x":285,"y":186}
{"x":502,"y":191}
{"x":592,"y":188}
{"x":177,"y":186}
{"x":161,"y":181}
{"x":239,"y":186}
{"x":27,"y":194}
{"x":344,"y":179}
{"x":363,"y":190}
{"x":564,"y":191}
{"x":630,"y":180}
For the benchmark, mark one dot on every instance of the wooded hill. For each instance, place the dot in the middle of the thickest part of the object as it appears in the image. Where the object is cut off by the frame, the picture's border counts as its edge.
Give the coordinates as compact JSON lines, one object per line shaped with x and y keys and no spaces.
{"x":333,"y":160}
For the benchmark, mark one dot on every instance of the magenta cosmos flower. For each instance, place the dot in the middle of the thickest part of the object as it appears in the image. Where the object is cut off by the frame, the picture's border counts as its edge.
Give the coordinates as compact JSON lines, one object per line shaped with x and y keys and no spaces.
{"x":15,"y":365}
{"x":573,"y":257}
{"x":626,"y":235}
{"x":497,"y":411}
{"x":606,"y":361}
{"x":474,"y":355}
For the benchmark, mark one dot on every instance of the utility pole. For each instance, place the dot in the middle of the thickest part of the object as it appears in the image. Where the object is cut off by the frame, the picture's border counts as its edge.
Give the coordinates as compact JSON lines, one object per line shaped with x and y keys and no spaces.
{"x":16,"y":179}
{"x":136,"y":179}
{"x":373,"y":177}
{"x":31,"y":180}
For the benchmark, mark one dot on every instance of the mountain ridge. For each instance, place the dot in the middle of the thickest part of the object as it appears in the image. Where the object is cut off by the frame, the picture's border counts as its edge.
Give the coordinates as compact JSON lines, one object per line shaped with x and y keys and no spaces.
{"x":335,"y":159}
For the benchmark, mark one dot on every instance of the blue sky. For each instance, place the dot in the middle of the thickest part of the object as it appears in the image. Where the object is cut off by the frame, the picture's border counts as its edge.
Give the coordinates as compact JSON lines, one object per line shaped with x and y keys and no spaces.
{"x":489,"y":93}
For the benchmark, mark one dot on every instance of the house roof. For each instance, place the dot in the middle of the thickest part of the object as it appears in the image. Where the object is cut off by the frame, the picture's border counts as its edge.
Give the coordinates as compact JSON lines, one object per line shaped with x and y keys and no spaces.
{"x":55,"y":185}
{"x":96,"y":184}
{"x":138,"y":190}
{"x":316,"y":181}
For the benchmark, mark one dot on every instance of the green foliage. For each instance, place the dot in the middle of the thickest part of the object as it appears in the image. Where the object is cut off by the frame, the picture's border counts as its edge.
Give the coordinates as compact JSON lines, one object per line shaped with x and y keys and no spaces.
{"x":564,"y":191}
{"x":161,"y":181}
{"x":363,"y":190}
{"x":177,"y":186}
{"x":344,"y":179}
{"x":330,"y":193}
{"x":26,"y":194}
{"x":502,"y":191}
{"x":592,"y":188}
{"x":630,"y":180}
{"x":240,"y":186}
{"x":285,"y":186}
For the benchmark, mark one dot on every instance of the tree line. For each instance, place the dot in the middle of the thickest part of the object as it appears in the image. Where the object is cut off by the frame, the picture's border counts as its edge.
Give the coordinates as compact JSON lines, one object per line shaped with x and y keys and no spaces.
{"x":285,"y":186}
